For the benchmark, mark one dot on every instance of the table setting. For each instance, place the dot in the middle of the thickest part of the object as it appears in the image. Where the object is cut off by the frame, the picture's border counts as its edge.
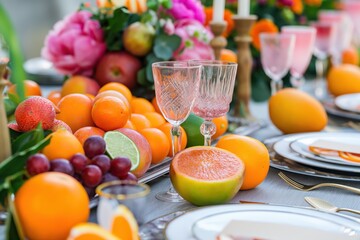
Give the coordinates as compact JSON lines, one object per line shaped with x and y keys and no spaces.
{"x":158,"y":133}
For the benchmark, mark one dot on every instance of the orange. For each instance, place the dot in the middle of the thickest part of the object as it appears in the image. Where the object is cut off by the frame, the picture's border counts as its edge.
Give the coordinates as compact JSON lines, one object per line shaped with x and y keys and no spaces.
{"x":124,"y":225}
{"x":159,"y":144}
{"x":112,"y":93}
{"x":156,"y":106}
{"x":63,"y":144}
{"x":139,"y":121}
{"x":206,"y":175}
{"x":352,"y":157}
{"x":50,"y":204}
{"x":110,"y":113}
{"x":156,"y":119}
{"x":228,"y":55}
{"x":221,"y":124}
{"x":130,"y":125}
{"x":90,"y":231}
{"x":262,"y":26}
{"x":54,"y":97}
{"x":75,"y":111}
{"x":350,"y":56}
{"x":31,"y":88}
{"x":253,"y":153}
{"x":344,"y":79}
{"x":83,"y":133}
{"x":323,"y":151}
{"x":80,"y":84}
{"x":119,"y":87}
{"x":166,"y":128}
{"x":141,"y":105}
{"x":294,"y":111}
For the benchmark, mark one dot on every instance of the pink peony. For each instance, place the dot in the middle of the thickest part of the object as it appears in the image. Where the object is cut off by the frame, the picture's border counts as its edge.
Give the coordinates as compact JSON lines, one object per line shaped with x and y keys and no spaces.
{"x":75,"y":44}
{"x":168,"y":26}
{"x":195,"y":41}
{"x":187,"y":9}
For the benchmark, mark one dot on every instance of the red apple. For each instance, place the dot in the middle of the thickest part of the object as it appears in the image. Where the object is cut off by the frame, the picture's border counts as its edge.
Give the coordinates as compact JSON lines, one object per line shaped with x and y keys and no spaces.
{"x":119,"y":67}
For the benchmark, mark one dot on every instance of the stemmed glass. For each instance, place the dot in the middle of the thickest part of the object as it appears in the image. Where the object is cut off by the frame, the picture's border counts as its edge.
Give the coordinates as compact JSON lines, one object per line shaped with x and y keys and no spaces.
{"x":343,"y":32}
{"x":276,"y":56}
{"x":324,"y":42}
{"x":304,"y":45}
{"x":176,"y":87}
{"x":215,"y":93}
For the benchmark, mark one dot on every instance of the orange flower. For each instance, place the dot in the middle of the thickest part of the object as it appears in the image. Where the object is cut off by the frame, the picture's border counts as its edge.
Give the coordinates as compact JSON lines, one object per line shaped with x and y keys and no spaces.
{"x":227,"y":17}
{"x":264,"y":25}
{"x":297,"y":6}
{"x":315,"y":3}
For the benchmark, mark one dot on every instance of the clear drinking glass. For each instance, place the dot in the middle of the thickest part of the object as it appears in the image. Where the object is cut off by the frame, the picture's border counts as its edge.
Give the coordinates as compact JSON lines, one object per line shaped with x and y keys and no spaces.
{"x":215,"y":93}
{"x":277,"y":51}
{"x":343,"y":32}
{"x":324,"y":42}
{"x":176,"y":87}
{"x":304,"y":45}
{"x":128,"y":193}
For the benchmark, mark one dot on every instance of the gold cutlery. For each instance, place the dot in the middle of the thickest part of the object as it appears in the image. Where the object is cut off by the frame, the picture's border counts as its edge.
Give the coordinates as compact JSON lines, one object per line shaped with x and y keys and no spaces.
{"x":326,"y":206}
{"x":304,"y":187}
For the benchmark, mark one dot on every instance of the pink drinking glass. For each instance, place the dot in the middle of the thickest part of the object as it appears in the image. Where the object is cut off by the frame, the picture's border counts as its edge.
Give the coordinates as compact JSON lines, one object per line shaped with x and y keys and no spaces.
{"x":324,"y":42}
{"x":303,"y":49}
{"x":276,"y":56}
{"x":215,"y":93}
{"x":343,"y":32}
{"x":352,"y":8}
{"x":176,"y":87}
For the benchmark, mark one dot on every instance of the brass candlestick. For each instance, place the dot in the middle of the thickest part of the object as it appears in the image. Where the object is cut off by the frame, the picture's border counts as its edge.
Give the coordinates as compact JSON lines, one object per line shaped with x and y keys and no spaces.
{"x":242,"y":93}
{"x":5,"y":149}
{"x":218,"y":42}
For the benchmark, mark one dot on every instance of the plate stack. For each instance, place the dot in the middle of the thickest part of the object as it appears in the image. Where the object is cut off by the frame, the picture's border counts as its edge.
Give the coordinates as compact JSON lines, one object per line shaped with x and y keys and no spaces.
{"x":345,"y":106}
{"x":337,"y":158}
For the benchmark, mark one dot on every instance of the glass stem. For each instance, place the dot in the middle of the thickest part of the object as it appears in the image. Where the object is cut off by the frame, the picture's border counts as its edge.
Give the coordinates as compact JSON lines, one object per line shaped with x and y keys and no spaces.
{"x":176,"y":139}
{"x":320,"y":66}
{"x":276,"y":85}
{"x":297,"y":82}
{"x":207,"y":129}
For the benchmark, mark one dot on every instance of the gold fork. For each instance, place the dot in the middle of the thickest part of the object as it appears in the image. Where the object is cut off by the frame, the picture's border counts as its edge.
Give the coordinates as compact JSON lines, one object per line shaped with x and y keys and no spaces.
{"x":306,"y":188}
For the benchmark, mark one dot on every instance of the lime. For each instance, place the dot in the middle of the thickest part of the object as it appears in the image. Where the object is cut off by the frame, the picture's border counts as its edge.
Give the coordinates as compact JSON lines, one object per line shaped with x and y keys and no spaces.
{"x":192,"y":128}
{"x":119,"y":145}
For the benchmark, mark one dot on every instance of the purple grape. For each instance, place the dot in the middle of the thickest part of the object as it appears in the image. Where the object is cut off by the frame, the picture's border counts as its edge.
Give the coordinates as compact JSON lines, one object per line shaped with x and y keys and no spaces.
{"x":103,"y":162}
{"x":79,"y":162}
{"x":90,"y":191}
{"x":37,"y":163}
{"x":108,"y":177}
{"x":61,"y":165}
{"x":91,"y":175}
{"x":120,"y":166}
{"x":93,"y":146}
{"x":78,"y":177}
{"x":130,"y":177}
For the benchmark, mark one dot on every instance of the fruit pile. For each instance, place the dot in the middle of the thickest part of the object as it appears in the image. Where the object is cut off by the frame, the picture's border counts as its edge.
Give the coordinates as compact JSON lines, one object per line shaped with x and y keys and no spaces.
{"x":90,"y":169}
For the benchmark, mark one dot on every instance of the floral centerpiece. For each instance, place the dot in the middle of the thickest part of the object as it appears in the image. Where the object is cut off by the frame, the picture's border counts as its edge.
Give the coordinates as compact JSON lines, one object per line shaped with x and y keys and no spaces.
{"x":112,"y":43}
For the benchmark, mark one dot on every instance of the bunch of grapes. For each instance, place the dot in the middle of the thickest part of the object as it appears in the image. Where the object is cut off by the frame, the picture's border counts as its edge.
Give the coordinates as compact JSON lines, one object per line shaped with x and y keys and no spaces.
{"x":91,"y":169}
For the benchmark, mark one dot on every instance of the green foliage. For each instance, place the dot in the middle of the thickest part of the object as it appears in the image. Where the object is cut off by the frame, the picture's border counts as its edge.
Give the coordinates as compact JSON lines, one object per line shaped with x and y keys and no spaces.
{"x":16,"y":57}
{"x":156,"y":4}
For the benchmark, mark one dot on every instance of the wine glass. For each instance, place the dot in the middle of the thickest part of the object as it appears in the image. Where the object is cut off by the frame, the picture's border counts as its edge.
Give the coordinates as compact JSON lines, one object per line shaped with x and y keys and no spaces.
{"x":324,"y":42}
{"x":176,"y":87}
{"x":343,"y":32}
{"x":304,"y":45}
{"x":352,"y":8}
{"x":277,"y":51}
{"x":215,"y":93}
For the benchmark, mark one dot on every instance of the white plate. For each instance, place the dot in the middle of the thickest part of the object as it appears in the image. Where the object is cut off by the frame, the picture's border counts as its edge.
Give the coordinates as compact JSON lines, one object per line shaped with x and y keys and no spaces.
{"x":208,"y":222}
{"x":301,"y":146}
{"x":282,"y":147}
{"x":349,"y":102}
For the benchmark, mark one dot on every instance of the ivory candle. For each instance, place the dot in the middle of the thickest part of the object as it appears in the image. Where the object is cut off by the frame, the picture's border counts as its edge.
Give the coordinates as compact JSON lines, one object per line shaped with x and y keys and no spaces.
{"x":218,"y":10}
{"x":243,"y":8}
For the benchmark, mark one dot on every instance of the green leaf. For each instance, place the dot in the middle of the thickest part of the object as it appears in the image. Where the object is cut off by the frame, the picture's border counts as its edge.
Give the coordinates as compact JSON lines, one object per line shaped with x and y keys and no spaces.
{"x":26,"y":140}
{"x":163,"y":52}
{"x":172,"y":41}
{"x":16,"y":57}
{"x":149,"y":74}
{"x":10,"y":106}
{"x":16,"y":162}
{"x":166,"y":3}
{"x":141,"y":77}
{"x":11,"y":231}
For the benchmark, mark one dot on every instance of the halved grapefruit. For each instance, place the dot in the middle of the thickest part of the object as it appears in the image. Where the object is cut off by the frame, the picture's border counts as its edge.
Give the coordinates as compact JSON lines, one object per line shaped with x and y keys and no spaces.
{"x":206,"y":175}
{"x":352,"y":157}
